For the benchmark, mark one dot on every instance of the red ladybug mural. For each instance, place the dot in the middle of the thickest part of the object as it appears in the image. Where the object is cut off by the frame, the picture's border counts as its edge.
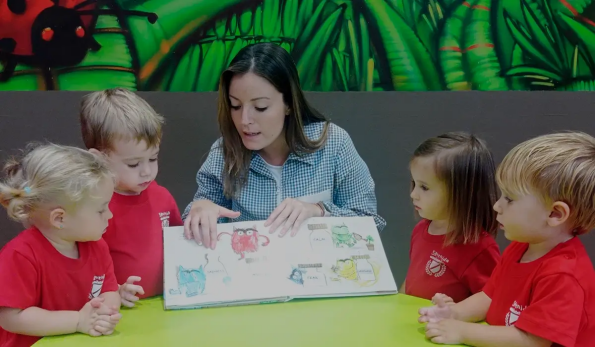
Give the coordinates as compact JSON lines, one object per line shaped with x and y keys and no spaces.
{"x":51,"y":33}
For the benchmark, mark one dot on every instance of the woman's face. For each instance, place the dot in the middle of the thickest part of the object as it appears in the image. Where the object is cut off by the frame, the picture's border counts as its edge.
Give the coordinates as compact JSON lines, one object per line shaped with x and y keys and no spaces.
{"x":258,"y":112}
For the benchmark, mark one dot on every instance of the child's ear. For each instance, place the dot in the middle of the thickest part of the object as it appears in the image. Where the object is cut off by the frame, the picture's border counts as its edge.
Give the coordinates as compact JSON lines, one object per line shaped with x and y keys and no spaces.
{"x":57,"y":218}
{"x":559,"y":213}
{"x":95,"y":152}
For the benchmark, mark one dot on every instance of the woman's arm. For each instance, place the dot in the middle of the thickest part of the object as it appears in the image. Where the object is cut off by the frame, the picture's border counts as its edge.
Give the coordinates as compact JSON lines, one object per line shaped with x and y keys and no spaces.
{"x":209,"y":184}
{"x":354,"y":193}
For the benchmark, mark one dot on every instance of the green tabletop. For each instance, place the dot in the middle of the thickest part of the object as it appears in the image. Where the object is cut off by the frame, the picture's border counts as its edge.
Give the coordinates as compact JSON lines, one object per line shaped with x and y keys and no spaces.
{"x":362,"y":321}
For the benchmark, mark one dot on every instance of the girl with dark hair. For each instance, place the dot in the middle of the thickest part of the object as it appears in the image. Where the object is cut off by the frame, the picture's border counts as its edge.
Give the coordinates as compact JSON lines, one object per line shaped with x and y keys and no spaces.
{"x":453,"y":188}
{"x":278,"y":158}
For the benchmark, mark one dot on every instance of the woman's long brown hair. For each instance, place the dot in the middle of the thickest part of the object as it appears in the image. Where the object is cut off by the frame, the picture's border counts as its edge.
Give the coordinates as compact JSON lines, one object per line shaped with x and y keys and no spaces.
{"x":274,"y":64}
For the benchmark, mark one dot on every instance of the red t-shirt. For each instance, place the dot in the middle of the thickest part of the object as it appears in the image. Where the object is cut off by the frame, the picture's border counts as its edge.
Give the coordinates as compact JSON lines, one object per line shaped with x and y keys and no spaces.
{"x":135,"y":235}
{"x":552,"y":297}
{"x":458,"y":271}
{"x":34,"y":273}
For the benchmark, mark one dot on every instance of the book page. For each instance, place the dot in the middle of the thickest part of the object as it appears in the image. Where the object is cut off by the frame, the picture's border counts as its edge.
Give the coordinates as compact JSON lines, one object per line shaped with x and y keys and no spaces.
{"x":329,"y":256}
{"x":339,"y":257}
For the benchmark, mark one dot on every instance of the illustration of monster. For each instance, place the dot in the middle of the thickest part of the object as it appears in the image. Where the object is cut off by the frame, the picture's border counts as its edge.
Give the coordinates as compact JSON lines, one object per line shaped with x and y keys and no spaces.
{"x":245,"y":240}
{"x":193,"y":280}
{"x":296,"y":276}
{"x":345,"y":268}
{"x":342,"y":237}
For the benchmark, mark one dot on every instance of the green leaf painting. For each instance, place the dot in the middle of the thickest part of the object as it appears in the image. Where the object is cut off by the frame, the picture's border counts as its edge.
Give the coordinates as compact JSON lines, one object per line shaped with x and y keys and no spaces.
{"x":337,"y":45}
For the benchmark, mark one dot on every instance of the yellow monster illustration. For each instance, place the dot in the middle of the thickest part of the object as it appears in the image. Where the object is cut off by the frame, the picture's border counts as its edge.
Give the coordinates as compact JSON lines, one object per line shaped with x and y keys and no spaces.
{"x":346,"y":268}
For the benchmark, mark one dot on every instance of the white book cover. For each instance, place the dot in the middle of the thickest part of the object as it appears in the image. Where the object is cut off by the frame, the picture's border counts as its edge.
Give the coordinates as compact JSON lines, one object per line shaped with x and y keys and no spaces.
{"x":329,"y":257}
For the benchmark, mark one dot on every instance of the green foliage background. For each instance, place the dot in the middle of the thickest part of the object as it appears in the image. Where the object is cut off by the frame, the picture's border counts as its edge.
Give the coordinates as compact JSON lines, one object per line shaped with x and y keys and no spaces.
{"x":341,"y":45}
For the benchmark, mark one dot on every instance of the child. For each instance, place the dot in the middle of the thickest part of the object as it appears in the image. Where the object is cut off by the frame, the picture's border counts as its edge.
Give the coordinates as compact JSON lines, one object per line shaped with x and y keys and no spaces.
{"x":453,"y":189}
{"x":542,"y":292}
{"x":127,"y":130}
{"x":57,"y":276}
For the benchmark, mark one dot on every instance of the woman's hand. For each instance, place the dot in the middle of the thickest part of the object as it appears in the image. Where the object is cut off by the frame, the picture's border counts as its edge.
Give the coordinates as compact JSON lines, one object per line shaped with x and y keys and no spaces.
{"x":292,"y":213}
{"x":201,"y":222}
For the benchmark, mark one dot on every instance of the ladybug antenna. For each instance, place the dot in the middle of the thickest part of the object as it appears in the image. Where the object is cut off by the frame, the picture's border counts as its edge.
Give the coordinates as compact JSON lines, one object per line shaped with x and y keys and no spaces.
{"x":82,"y":4}
{"x":151,"y":17}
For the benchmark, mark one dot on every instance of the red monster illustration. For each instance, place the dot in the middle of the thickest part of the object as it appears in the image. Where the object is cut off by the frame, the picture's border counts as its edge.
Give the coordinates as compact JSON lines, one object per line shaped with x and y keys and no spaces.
{"x":245,"y":240}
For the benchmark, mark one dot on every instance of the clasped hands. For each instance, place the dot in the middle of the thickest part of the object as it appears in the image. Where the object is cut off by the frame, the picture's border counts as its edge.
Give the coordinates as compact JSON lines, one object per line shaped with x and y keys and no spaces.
{"x":201,"y":222}
{"x":441,"y":327}
{"x":96,"y":318}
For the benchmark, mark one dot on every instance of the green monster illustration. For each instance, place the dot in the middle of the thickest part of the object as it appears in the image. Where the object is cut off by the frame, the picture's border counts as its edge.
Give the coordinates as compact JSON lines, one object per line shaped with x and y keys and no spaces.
{"x":342,"y":237}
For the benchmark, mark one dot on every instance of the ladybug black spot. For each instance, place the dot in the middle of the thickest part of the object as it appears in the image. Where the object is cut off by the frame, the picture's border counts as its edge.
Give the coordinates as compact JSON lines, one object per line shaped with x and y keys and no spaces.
{"x":65,"y":47}
{"x":7,"y":44}
{"x":17,"y":6}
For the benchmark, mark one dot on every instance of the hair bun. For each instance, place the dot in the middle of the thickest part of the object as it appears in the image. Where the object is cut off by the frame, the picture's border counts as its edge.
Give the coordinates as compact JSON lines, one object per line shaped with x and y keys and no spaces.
{"x":12,"y":167}
{"x":10,"y":195}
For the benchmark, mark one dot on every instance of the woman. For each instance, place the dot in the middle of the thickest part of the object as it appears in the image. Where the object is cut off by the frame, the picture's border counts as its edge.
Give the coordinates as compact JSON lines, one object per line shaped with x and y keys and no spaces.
{"x":278,"y":159}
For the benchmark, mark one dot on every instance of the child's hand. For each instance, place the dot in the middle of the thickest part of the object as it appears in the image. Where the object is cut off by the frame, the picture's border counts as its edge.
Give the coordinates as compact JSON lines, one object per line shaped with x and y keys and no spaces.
{"x":442,"y":297}
{"x":129,"y":290}
{"x":446,"y":331}
{"x":440,"y":310}
{"x":96,"y":319}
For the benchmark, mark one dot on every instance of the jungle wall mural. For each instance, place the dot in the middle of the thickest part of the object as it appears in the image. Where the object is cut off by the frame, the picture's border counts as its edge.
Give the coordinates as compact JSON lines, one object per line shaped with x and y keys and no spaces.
{"x":338,"y":45}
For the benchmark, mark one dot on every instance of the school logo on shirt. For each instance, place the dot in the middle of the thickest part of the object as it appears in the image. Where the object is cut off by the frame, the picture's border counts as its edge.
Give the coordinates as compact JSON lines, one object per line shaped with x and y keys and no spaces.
{"x":97,"y":285}
{"x":436,"y":266}
{"x":164,"y":216}
{"x":513,"y":315}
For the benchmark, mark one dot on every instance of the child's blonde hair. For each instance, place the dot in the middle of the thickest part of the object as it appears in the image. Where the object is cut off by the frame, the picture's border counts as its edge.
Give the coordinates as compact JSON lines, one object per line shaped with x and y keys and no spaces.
{"x":554,"y":167}
{"x":115,"y":114}
{"x":465,"y":165}
{"x":49,"y":174}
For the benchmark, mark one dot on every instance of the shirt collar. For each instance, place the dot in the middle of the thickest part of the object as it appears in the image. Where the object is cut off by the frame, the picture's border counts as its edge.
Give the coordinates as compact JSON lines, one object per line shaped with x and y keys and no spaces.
{"x":258,"y":164}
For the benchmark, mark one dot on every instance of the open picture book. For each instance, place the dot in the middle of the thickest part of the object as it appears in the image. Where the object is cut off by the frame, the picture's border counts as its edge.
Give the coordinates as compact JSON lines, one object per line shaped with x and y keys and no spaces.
{"x":328,"y":257}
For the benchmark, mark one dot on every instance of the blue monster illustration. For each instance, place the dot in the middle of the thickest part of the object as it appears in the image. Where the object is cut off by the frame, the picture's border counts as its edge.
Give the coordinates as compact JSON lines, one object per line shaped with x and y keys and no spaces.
{"x":297,"y":276}
{"x":193,"y":279}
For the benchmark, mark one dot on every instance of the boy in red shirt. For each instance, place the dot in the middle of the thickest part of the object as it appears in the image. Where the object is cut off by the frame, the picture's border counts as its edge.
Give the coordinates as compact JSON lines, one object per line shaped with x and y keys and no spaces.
{"x":542,"y":293}
{"x":57,"y":276}
{"x":127,"y":131}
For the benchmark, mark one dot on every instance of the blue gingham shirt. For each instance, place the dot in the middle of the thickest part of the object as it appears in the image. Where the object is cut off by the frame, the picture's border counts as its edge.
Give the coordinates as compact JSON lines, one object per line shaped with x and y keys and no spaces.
{"x":336,"y":170}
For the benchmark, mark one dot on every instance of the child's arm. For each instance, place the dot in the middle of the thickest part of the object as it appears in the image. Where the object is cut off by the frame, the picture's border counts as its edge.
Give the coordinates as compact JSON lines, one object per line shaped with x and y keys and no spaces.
{"x":473,"y":309}
{"x":112,"y":292}
{"x":34,"y":321}
{"x":112,"y":300}
{"x":175,"y":216}
{"x":450,"y":331}
{"x":402,"y":289}
{"x":552,"y":317}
